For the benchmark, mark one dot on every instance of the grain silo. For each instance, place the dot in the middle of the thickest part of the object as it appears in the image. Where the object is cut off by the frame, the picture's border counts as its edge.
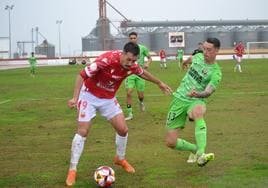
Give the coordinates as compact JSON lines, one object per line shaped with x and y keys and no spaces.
{"x":160,"y":40}
{"x":246,"y":34}
{"x":91,"y":43}
{"x":263,"y":37}
{"x":119,"y":41}
{"x":225,"y":36}
{"x":143,"y":37}
{"x":46,"y":49}
{"x":192,"y":36}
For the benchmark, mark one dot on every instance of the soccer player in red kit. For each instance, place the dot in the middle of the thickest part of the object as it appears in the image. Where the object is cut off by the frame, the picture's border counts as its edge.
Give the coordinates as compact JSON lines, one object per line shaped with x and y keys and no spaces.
{"x":239,"y":51}
{"x":163,"y":60}
{"x":102,"y":79}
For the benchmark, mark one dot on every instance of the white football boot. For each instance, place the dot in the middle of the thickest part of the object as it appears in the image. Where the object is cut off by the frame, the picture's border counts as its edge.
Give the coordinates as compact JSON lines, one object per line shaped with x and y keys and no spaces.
{"x":192,"y":158}
{"x":204,"y":159}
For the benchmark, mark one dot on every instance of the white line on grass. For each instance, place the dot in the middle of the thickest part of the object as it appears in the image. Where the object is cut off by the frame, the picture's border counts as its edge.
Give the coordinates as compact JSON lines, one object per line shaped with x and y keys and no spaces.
{"x":249,"y":93}
{"x":6,"y":101}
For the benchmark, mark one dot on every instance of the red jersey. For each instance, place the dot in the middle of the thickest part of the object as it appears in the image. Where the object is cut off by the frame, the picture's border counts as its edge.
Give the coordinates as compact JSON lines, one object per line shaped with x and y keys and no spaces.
{"x":162,"y":54}
{"x":103,"y":77}
{"x":239,"y":50}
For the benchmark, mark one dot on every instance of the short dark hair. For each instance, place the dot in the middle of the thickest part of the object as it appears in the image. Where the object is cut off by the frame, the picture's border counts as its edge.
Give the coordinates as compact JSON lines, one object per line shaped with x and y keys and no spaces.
{"x":132,"y":48}
{"x":133,"y":33}
{"x":216,"y":42}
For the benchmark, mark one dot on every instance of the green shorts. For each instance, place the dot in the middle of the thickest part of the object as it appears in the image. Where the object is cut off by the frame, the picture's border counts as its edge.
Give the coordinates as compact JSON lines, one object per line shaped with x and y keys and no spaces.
{"x":134,"y":81}
{"x":33,"y":68}
{"x":178,"y":112}
{"x":179,"y":58}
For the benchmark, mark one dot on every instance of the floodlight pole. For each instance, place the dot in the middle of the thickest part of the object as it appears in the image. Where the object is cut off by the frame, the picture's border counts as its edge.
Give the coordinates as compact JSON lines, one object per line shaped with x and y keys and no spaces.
{"x":9,"y":8}
{"x":59,"y":22}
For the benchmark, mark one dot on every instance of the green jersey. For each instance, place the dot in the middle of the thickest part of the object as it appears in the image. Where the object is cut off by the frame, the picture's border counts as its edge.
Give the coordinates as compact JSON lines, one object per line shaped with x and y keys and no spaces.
{"x":180,"y":53}
{"x":199,"y":75}
{"x":32,"y":61}
{"x":144,"y":52}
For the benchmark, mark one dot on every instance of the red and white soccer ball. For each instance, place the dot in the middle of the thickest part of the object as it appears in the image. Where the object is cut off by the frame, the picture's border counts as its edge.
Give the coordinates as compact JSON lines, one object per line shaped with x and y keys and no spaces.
{"x":104,"y":176}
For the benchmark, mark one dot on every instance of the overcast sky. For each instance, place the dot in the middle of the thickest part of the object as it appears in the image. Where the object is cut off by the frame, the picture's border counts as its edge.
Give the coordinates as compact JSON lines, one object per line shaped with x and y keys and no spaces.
{"x":79,"y":16}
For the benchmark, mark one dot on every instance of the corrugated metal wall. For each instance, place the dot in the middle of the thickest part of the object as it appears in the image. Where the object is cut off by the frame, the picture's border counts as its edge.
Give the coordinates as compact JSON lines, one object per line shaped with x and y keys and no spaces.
{"x":158,"y":38}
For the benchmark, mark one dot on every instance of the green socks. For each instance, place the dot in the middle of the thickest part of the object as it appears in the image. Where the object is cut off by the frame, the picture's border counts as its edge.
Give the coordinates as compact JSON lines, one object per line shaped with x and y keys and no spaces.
{"x":200,"y":135}
{"x":185,"y":146}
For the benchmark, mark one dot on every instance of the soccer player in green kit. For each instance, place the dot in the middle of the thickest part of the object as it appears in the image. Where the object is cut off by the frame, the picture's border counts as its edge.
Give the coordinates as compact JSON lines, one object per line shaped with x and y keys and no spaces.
{"x":32,"y":60}
{"x":180,"y":53}
{"x":134,"y":81}
{"x":200,"y":81}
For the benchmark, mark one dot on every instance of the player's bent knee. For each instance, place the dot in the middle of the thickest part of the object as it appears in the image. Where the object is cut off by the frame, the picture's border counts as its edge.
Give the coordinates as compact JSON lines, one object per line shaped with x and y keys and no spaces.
{"x":122,"y":131}
{"x":198,"y":112}
{"x":171,"y":143}
{"x":82,"y":132}
{"x":129,"y":93}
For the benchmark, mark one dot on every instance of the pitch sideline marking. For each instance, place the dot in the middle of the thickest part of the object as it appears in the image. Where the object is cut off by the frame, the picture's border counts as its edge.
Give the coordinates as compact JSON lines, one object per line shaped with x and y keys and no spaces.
{"x":5,"y":101}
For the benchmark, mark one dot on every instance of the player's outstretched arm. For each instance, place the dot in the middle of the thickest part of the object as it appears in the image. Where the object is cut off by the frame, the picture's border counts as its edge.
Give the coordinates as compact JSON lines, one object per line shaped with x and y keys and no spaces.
{"x":164,"y":87}
{"x":78,"y":84}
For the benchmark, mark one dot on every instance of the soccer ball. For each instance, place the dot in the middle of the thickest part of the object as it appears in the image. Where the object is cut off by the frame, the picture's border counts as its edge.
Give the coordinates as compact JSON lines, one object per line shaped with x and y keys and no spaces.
{"x":104,"y":176}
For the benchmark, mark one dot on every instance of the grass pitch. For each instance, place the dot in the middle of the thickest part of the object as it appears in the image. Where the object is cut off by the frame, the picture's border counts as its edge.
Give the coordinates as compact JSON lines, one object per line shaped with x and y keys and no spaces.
{"x":36,"y":130}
